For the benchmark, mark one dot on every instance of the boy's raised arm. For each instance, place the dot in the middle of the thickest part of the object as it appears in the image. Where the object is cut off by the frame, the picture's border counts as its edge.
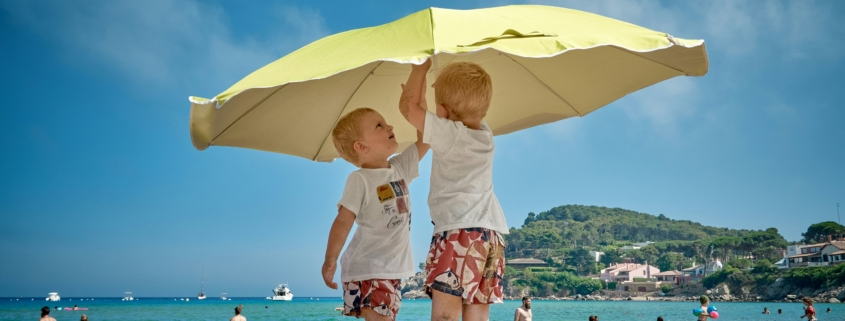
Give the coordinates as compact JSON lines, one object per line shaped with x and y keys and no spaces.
{"x":413,"y":96}
{"x":422,"y":148}
{"x":337,"y":237}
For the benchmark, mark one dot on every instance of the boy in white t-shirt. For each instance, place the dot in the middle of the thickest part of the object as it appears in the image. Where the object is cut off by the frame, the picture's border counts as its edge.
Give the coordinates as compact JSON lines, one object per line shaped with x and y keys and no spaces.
{"x":376,"y":197}
{"x":466,"y":261}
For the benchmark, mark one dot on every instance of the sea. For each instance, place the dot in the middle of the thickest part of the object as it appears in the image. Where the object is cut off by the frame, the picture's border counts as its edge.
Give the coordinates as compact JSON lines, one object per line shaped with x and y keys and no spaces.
{"x":306,"y":308}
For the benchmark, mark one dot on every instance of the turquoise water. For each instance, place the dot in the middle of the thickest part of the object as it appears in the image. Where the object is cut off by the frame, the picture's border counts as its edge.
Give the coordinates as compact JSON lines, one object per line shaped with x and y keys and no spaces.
{"x":160,"y":309}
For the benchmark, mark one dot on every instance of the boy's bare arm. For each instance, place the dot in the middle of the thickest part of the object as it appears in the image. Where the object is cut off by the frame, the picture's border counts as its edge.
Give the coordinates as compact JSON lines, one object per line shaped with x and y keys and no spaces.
{"x":413,"y":95}
{"x":337,"y":237}
{"x":422,"y":148}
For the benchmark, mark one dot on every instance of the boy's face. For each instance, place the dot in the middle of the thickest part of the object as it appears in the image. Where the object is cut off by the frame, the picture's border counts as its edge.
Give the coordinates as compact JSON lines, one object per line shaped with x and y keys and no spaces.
{"x":378,"y":136}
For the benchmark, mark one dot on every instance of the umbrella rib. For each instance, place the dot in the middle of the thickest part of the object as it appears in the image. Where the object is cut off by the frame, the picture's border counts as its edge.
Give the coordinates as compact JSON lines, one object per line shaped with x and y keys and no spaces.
{"x":659,"y":63}
{"x":545,"y":85}
{"x":347,"y":103}
{"x":244,"y":114}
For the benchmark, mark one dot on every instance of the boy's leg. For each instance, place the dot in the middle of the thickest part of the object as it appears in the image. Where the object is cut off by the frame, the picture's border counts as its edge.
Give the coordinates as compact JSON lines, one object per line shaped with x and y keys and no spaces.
{"x":488,"y":269}
{"x":371,"y":299}
{"x":371,"y":315}
{"x":464,"y":267}
{"x":445,"y":307}
{"x":476,"y":312}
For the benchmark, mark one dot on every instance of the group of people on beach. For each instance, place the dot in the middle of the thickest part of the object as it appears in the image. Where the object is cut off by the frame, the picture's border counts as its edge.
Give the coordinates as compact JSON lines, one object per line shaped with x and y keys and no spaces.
{"x":465,"y":262}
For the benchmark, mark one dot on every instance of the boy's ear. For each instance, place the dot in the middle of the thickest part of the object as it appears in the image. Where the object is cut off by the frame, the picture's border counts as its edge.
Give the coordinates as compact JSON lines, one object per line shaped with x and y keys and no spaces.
{"x":445,"y":110}
{"x":360,"y":147}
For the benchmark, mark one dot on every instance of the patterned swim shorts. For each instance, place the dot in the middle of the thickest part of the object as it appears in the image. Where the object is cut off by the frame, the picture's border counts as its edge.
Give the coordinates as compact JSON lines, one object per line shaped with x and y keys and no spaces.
{"x":468,"y":263}
{"x":382,"y":296}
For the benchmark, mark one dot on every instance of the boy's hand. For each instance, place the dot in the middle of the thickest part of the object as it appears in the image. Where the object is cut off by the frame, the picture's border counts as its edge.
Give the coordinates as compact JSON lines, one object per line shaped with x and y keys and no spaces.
{"x":424,"y":67}
{"x":413,"y":96}
{"x":329,"y":267}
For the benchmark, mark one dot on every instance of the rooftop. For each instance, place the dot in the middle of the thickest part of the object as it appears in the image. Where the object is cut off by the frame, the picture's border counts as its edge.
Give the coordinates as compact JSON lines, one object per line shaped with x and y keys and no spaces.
{"x":526,"y":261}
{"x":668,"y":273}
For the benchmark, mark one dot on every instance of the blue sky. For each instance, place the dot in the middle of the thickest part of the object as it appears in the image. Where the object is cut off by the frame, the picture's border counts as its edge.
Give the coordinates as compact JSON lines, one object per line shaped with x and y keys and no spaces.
{"x":101,"y":190}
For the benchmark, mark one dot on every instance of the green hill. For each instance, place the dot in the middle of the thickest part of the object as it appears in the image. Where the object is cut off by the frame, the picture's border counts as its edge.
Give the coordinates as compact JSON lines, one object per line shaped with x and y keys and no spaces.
{"x":564,"y":235}
{"x":573,"y":225}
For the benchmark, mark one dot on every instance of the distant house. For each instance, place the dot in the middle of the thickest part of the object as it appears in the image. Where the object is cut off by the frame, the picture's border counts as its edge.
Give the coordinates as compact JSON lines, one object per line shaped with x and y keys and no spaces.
{"x":596,"y":255}
{"x":623,"y":272}
{"x":711,"y":267}
{"x":521,"y":264}
{"x":668,"y":276}
{"x":635,"y":246}
{"x":819,"y":254}
{"x":696,"y":273}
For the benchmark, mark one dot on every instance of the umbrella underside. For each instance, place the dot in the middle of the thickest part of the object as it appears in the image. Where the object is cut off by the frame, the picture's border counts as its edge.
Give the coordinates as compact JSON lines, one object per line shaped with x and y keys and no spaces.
{"x":297,"y":118}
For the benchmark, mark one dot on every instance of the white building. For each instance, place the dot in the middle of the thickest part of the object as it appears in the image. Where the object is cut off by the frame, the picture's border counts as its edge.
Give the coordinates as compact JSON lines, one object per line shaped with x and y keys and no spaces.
{"x":596,"y":255}
{"x":627,"y":272}
{"x":712,"y":267}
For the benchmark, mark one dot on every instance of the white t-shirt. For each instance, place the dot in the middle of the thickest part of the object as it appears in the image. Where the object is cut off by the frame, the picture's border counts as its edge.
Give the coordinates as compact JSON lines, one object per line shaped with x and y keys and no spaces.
{"x":381,"y":246}
{"x":461,"y":194}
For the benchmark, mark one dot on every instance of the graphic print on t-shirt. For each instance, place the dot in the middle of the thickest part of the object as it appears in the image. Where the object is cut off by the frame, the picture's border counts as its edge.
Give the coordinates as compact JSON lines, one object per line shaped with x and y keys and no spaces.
{"x":395,"y":200}
{"x":401,"y":206}
{"x":397,"y":188}
{"x":385,"y":193}
{"x":390,"y":209}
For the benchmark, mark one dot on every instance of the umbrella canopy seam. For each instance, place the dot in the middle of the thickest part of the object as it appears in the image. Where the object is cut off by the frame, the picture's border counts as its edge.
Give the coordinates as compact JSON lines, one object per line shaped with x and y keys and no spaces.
{"x":211,"y":142}
{"x":659,"y":63}
{"x":345,"y":105}
{"x":544,"y":84}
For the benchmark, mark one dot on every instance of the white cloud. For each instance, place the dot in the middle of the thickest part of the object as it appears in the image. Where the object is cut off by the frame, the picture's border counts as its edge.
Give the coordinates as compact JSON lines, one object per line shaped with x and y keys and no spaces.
{"x":665,"y":104}
{"x":165,"y":43}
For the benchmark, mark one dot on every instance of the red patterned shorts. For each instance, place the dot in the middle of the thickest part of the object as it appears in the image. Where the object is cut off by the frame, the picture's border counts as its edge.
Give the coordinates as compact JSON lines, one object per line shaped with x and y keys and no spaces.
{"x":468,"y":263}
{"x":382,"y":296}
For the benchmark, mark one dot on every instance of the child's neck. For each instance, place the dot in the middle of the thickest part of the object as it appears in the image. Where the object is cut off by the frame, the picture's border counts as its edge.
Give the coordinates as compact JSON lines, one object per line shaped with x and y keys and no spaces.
{"x":374,"y":164}
{"x":470,"y":123}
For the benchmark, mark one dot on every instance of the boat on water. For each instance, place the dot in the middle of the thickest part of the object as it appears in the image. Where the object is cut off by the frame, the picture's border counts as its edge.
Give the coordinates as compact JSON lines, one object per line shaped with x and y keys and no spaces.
{"x":53,"y":296}
{"x":127,"y":296}
{"x":201,"y":295}
{"x":223,"y":296}
{"x":282,"y":293}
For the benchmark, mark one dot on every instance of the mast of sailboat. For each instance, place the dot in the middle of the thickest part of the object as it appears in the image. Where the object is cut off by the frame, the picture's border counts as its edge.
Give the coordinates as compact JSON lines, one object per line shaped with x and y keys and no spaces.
{"x":202,"y":279}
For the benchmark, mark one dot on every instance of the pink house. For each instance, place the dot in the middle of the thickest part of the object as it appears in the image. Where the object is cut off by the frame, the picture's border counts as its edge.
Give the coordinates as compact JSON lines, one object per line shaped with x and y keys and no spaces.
{"x":626,"y":272}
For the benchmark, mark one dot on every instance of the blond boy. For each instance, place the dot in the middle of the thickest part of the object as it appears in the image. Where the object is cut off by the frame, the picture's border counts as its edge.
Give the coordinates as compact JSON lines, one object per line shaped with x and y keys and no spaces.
{"x":376,"y":197}
{"x":466,"y":259}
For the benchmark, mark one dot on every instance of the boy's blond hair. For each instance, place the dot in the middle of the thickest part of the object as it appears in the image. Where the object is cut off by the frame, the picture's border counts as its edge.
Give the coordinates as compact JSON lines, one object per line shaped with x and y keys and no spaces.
{"x":465,"y":89}
{"x":346,"y":132}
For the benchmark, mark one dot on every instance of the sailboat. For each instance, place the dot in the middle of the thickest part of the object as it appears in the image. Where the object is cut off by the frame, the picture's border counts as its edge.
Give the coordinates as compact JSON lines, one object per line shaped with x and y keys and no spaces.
{"x":201,"y":295}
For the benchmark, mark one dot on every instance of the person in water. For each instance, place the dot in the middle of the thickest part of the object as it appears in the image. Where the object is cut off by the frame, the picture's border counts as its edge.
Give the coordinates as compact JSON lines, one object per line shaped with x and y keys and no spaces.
{"x":809,"y":311}
{"x":238,"y":316}
{"x":83,"y":318}
{"x":523,"y":313}
{"x":45,"y":314}
{"x":766,"y":310}
{"x":705,"y":301}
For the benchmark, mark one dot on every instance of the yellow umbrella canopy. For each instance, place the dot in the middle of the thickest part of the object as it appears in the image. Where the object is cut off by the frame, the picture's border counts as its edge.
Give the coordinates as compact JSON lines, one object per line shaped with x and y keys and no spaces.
{"x":547,"y":64}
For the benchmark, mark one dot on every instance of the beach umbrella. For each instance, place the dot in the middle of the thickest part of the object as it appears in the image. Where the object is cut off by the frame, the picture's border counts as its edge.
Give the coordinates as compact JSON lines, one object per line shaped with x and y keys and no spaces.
{"x":546,"y":63}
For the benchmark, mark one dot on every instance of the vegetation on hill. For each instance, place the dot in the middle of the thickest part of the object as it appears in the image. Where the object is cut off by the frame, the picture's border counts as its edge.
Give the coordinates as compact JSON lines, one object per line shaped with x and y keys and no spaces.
{"x":818,"y":232}
{"x":565,"y":236}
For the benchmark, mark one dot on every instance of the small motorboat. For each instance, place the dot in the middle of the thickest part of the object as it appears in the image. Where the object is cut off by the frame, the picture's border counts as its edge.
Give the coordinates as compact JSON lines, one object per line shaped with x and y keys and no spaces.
{"x":53,"y":296}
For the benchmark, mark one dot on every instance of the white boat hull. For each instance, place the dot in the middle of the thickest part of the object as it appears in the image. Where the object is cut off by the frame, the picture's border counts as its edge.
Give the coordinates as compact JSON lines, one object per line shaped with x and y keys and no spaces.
{"x":287,"y":297}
